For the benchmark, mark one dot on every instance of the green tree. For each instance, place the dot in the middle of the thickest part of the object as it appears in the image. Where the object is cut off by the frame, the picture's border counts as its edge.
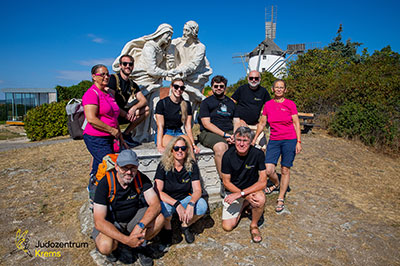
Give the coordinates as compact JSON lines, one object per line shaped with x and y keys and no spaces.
{"x":74,"y":91}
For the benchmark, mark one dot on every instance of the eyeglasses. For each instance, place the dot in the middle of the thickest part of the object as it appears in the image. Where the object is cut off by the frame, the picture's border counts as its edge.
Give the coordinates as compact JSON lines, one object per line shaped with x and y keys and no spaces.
{"x":103,"y":74}
{"x":218,"y":86}
{"x":183,"y":148}
{"x":127,"y":64}
{"x":126,"y":169}
{"x":177,"y":87}
{"x":254,"y":78}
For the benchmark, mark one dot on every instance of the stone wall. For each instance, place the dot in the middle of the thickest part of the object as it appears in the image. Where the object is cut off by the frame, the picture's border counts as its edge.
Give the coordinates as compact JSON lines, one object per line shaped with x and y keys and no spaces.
{"x":150,"y":157}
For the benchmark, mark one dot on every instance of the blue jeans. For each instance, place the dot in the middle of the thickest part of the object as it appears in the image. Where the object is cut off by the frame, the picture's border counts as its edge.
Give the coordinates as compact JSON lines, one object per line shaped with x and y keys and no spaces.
{"x":98,"y":148}
{"x":171,"y":132}
{"x":199,"y":209}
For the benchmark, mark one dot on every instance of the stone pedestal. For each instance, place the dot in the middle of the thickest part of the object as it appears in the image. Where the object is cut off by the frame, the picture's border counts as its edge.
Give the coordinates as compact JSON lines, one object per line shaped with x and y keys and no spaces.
{"x":150,"y":157}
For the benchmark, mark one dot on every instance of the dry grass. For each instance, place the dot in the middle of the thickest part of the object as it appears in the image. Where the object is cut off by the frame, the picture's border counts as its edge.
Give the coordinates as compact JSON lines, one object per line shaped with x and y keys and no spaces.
{"x":334,"y":182}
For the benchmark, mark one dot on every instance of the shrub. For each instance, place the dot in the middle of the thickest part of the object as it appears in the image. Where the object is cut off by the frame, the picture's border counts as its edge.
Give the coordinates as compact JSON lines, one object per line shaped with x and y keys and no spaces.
{"x":372,"y":124}
{"x":46,"y":121}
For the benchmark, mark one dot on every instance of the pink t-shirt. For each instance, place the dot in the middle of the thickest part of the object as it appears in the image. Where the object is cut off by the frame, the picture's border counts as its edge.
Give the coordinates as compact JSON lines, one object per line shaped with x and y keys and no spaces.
{"x":279,"y":116}
{"x":108,"y":111}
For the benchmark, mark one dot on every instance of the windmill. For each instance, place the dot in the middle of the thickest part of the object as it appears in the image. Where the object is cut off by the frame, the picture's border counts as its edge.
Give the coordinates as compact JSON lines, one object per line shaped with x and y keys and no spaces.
{"x":268,"y":56}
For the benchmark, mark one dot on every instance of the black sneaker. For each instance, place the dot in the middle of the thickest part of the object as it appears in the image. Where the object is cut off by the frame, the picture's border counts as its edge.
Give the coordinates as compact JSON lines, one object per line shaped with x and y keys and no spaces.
{"x":189,"y":236}
{"x":128,"y":140}
{"x":144,"y":257}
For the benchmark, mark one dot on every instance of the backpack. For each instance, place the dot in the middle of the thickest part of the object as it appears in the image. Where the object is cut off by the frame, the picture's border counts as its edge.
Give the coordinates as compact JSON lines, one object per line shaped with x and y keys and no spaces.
{"x":107,"y":169}
{"x":76,"y":118}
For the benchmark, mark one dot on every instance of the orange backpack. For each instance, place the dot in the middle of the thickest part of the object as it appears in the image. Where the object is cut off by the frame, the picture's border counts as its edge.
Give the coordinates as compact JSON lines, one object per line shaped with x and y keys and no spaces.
{"x":107,"y":168}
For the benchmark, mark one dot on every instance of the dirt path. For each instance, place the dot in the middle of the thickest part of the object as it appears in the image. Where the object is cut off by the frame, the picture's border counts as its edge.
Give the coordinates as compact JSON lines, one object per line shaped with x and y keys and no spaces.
{"x":343,"y":209}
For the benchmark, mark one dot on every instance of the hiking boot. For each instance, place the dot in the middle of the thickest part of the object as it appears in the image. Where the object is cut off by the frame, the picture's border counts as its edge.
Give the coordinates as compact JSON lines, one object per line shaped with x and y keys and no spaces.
{"x":166,"y":237}
{"x":128,"y":140}
{"x":189,"y":236}
{"x":144,"y":257}
{"x":113,"y":256}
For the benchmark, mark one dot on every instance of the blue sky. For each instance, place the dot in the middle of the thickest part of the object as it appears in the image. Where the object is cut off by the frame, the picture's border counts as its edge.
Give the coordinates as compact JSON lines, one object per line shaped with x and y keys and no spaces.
{"x":48,"y":43}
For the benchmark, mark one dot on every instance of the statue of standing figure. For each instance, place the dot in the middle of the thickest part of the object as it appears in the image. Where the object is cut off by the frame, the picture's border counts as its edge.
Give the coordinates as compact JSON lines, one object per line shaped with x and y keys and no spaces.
{"x":156,"y":59}
{"x":188,"y":56}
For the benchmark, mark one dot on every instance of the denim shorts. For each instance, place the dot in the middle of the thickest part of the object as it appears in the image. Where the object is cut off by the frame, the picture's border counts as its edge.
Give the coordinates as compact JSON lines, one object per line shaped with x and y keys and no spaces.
{"x":199,"y":209}
{"x":171,"y":132}
{"x":286,"y":148}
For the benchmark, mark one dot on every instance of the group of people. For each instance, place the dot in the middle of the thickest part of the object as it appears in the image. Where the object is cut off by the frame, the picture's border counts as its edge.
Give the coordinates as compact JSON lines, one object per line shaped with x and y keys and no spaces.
{"x":137,"y":210}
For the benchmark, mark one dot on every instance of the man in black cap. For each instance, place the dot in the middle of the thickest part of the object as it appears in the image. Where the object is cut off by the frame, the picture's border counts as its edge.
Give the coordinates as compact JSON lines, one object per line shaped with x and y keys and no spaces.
{"x":126,"y":209}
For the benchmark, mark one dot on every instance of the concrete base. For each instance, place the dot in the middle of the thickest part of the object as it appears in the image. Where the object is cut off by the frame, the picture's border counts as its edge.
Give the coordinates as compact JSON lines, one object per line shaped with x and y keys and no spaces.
{"x":149,"y":159}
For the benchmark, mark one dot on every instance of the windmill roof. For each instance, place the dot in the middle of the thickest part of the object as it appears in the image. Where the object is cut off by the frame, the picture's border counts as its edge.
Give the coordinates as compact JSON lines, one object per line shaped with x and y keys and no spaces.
{"x":267,"y":47}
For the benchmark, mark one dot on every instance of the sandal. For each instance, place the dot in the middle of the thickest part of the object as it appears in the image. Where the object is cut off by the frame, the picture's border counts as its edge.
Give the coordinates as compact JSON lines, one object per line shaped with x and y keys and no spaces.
{"x":269,"y":190}
{"x":280,"y":207}
{"x":254,"y":235}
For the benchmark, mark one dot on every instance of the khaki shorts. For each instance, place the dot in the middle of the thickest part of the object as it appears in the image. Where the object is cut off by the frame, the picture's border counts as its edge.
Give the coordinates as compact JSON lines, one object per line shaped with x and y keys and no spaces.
{"x":230,"y":211}
{"x":209,"y":139}
{"x":124,"y":228}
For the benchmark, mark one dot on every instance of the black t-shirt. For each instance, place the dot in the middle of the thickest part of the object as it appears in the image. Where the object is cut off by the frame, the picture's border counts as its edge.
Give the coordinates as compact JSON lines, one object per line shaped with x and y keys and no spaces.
{"x":122,"y":96}
{"x":178,"y":185}
{"x":220,"y":112}
{"x":171,"y":112}
{"x":126,"y":202}
{"x":243,"y":169}
{"x":250,"y":102}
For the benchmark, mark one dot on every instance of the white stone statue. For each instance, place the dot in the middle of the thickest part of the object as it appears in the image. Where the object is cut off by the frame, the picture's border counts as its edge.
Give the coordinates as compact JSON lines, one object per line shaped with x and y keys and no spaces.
{"x":149,"y":53}
{"x":188,"y":56}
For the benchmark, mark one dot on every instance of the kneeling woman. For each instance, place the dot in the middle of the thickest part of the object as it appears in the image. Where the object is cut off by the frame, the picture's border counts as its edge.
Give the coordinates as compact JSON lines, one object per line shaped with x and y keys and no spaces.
{"x":171,"y":113}
{"x":178,"y":184}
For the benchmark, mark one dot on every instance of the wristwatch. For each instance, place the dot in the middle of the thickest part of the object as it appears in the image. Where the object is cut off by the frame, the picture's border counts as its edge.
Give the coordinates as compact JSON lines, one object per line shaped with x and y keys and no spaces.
{"x":141,"y":225}
{"x":242,"y":193}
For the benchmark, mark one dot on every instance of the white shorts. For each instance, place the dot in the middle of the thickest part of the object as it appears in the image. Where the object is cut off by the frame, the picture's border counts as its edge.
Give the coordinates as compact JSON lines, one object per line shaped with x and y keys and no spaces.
{"x":230,"y":211}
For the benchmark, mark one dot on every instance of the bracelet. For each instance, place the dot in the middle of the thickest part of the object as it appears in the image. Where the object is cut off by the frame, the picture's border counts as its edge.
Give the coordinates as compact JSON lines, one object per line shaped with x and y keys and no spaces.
{"x":225,"y":135}
{"x":191,"y":204}
{"x":177,"y":203}
{"x":299,"y":141}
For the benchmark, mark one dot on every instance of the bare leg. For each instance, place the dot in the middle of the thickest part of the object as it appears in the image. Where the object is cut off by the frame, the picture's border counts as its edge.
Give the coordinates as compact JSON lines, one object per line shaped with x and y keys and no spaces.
{"x":219,"y":149}
{"x":105,"y":244}
{"x":284,"y":182}
{"x":271,"y":173}
{"x":154,"y":227}
{"x":142,"y":113}
{"x":229,"y":224}
{"x":194,"y":219}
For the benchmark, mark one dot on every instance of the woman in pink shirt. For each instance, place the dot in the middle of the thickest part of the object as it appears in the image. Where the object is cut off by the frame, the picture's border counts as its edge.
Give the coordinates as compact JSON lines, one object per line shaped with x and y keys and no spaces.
{"x":101,"y":112}
{"x":284,"y":140}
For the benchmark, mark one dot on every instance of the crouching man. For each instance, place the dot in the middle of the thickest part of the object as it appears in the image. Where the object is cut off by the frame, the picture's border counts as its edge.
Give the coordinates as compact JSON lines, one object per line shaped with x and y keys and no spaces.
{"x":244,"y":177}
{"x":126,"y":210}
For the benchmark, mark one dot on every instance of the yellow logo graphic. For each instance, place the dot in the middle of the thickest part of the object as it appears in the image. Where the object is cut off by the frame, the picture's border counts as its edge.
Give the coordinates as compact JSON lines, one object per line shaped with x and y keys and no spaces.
{"x":249,"y":166}
{"x":22,"y":242}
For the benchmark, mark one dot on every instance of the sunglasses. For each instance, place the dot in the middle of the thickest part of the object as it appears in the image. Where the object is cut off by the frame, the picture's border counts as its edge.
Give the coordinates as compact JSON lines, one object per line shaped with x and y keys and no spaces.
{"x":177,"y":87}
{"x":254,"y":78}
{"x":219,"y":86}
{"x":103,"y":74}
{"x":183,"y":148}
{"x":127,"y":63}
